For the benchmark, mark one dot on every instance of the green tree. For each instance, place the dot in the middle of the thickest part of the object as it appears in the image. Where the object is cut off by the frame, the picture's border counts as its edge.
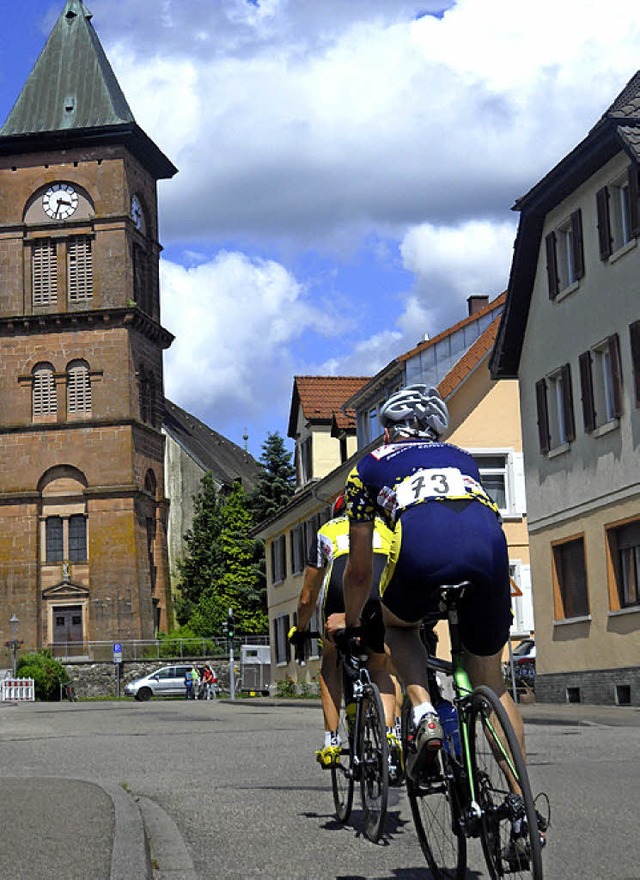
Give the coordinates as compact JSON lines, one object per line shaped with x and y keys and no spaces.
{"x":202,"y":564}
{"x":222,"y":566}
{"x":47,"y":674}
{"x":277,"y":480}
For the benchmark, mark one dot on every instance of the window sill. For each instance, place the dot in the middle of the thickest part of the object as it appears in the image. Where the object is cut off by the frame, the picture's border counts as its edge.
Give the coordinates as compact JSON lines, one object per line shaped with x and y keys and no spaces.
{"x":620,"y":612}
{"x":558,"y":450}
{"x":567,"y":291}
{"x":607,"y":428}
{"x":585,"y":618}
{"x":622,"y":250}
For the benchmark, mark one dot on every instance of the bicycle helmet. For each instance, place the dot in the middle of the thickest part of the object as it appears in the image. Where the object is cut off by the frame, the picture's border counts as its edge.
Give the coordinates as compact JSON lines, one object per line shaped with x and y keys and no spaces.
{"x":415,"y":411}
{"x":339,"y":507}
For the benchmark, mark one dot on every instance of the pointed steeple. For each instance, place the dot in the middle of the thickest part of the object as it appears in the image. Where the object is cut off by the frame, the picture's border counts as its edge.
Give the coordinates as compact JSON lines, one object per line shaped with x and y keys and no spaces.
{"x":72,"y":85}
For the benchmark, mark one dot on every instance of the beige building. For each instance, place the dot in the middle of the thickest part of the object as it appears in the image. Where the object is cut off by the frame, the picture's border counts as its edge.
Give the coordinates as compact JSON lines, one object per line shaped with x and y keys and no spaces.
{"x":484,"y":419}
{"x":571,"y":335}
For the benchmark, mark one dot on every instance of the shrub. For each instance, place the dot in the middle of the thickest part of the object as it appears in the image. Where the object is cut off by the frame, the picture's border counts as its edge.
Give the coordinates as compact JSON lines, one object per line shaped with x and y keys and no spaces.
{"x":286,"y":687}
{"x":47,"y":673}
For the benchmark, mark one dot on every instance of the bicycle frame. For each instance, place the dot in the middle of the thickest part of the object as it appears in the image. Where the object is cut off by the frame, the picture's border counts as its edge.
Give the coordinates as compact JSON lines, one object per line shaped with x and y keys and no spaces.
{"x":463,"y":689}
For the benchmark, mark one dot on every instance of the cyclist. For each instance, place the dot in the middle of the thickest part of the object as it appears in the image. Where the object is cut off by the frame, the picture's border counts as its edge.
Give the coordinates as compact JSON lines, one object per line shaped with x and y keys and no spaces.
{"x":322,"y":590}
{"x":446,"y":529}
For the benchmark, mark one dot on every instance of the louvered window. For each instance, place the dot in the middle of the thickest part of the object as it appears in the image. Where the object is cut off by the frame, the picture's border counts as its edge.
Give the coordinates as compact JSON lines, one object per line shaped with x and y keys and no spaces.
{"x":44,"y":274}
{"x":79,"y":269}
{"x":44,"y":391}
{"x":78,"y":388}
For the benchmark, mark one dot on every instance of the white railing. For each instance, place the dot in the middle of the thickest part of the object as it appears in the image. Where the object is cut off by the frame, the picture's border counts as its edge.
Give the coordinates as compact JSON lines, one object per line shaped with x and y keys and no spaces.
{"x":17,"y":690}
{"x":152,"y":649}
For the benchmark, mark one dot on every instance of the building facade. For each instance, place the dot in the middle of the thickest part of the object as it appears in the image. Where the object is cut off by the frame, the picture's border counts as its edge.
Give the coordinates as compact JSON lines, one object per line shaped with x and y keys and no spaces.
{"x":571,"y":335}
{"x":83,"y":509}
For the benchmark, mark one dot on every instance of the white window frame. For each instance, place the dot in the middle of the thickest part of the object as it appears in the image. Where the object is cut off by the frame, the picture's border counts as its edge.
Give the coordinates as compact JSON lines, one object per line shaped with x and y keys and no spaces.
{"x":620,"y":212}
{"x":523,"y":618}
{"x":565,"y":255}
{"x":603,"y":396}
{"x":513,"y":471}
{"x":557,"y":425}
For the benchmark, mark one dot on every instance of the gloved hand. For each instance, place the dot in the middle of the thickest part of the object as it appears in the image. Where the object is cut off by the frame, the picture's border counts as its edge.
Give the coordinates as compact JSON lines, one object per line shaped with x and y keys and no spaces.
{"x":297,"y":636}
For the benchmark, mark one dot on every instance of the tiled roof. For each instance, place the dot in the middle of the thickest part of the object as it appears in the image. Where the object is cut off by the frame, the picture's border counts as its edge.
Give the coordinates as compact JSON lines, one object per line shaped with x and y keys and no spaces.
{"x":226,"y":460}
{"x":320,"y":397}
{"x":627,"y":104}
{"x":497,"y":303}
{"x":630,"y":136}
{"x":470,"y":360}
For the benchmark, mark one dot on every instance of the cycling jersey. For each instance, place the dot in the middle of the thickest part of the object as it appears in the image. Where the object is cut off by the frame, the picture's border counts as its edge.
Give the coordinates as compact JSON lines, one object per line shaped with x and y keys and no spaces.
{"x":445,"y":529}
{"x":330,"y":550}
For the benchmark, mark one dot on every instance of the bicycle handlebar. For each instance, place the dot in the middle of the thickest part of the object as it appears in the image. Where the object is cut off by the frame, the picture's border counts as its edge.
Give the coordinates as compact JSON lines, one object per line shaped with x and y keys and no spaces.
{"x":299,"y":638}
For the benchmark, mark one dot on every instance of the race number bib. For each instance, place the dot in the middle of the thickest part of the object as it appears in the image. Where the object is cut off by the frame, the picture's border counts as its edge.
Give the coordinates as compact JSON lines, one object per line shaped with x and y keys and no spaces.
{"x":428,"y":483}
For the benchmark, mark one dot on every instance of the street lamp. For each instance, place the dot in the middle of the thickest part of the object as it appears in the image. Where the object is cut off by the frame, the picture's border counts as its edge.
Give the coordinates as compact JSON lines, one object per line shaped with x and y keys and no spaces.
{"x":14,"y":623}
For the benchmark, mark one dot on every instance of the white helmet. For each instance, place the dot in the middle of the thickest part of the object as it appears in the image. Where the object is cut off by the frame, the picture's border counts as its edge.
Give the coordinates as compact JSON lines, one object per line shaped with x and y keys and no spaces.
{"x":417,"y":411}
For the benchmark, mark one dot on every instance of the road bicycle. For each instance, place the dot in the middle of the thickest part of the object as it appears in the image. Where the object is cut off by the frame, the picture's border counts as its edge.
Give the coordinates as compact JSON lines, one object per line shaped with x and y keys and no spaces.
{"x":364,"y":750}
{"x":478,"y":785}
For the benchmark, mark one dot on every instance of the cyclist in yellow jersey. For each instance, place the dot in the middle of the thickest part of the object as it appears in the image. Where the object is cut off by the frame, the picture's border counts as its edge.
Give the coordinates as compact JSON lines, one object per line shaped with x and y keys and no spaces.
{"x":322,"y":590}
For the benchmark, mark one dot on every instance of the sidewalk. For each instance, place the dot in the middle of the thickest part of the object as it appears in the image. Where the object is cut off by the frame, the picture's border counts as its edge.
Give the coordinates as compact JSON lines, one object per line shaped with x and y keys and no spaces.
{"x":580,"y":713}
{"x":70,"y":829}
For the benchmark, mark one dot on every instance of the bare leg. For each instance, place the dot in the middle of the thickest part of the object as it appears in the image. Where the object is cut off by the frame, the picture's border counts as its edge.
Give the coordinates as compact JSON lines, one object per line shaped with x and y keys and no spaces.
{"x":408,"y":656}
{"x":488,"y":670}
{"x":330,"y":686}
{"x":380,"y":675}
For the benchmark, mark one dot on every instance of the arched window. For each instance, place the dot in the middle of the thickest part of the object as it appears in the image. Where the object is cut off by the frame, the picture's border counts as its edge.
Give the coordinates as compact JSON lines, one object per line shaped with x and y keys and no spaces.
{"x":78,"y":388}
{"x":44,"y":391}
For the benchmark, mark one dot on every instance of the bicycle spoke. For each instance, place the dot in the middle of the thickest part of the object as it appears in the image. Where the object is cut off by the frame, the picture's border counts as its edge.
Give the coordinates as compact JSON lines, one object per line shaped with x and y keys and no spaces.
{"x":374,"y":756}
{"x":509,"y":825}
{"x":341,"y":776}
{"x":435,"y":814}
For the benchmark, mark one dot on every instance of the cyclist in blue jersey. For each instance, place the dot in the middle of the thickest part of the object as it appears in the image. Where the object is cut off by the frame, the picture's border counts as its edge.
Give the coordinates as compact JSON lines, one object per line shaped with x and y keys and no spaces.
{"x":446,"y":529}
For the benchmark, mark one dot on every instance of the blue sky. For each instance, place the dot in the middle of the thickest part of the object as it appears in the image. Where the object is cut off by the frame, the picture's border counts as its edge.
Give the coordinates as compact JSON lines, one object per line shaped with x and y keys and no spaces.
{"x":346,"y":169}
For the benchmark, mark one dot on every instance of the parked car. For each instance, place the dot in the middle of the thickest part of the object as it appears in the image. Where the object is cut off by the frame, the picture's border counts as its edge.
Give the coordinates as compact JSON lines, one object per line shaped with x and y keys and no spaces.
{"x":526,"y":650}
{"x":524,"y":665}
{"x":167,"y":681}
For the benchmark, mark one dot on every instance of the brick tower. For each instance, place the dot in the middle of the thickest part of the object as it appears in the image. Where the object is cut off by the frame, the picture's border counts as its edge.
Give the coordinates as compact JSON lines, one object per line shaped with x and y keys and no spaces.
{"x":83,"y":552}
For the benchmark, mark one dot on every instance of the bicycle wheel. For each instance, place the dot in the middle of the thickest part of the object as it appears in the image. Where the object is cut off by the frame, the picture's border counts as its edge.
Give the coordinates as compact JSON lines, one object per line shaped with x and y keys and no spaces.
{"x":434,"y":807}
{"x":341,"y":774}
{"x":508,"y":825}
{"x":374,"y":757}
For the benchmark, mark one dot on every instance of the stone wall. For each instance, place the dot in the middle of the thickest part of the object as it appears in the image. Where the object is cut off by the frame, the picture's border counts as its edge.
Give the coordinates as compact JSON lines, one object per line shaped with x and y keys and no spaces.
{"x":604,"y":687}
{"x":99,"y":679}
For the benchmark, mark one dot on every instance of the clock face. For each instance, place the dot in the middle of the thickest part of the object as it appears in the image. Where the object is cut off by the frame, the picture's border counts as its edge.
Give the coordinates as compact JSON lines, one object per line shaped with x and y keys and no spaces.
{"x":136,"y":213}
{"x":60,"y":201}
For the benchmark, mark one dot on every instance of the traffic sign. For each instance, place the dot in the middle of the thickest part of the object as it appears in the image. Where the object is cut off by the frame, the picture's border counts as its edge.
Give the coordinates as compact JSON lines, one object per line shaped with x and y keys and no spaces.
{"x":117,"y":652}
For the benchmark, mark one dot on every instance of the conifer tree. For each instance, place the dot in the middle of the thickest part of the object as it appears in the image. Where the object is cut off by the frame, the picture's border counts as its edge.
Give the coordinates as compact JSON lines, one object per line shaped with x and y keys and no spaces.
{"x":276,"y":483}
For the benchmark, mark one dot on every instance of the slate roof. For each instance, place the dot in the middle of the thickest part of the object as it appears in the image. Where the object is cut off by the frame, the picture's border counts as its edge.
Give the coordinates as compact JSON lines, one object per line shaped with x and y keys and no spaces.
{"x":617,"y":129}
{"x":226,"y":460}
{"x":321,"y":397}
{"x":72,"y":97}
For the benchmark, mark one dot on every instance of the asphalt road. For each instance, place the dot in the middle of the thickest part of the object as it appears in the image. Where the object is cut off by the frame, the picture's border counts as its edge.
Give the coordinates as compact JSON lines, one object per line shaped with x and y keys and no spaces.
{"x":231,"y":790}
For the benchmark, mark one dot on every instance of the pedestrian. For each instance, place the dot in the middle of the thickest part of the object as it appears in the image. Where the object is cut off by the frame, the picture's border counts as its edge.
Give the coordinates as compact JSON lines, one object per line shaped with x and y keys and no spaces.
{"x":209,"y":680}
{"x":188,"y":684}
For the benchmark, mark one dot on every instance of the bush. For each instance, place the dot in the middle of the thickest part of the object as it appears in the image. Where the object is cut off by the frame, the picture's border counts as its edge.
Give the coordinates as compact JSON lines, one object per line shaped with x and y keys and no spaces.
{"x":47,"y":673}
{"x":286,"y":687}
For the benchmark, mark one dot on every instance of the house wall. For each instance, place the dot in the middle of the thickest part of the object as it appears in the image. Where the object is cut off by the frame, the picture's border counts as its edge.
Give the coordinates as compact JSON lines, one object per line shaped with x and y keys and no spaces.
{"x":594,"y":481}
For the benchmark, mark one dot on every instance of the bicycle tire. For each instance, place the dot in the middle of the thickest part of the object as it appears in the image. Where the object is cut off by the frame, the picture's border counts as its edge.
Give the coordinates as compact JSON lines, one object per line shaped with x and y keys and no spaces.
{"x":374,"y":756}
{"x":434,"y":807}
{"x":491,"y":732}
{"x":342,"y":775}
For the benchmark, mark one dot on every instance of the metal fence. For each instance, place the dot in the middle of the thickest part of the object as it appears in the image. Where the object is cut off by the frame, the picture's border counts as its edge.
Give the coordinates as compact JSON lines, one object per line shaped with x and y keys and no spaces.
{"x":152,"y":649}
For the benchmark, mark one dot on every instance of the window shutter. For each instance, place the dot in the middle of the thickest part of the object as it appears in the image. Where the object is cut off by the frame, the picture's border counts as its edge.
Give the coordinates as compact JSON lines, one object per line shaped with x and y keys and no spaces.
{"x":577,"y":244}
{"x":586,"y":385}
{"x":79,"y":269}
{"x":44,"y":274}
{"x":634,"y":335}
{"x":616,"y":374}
{"x":543,"y":416}
{"x":552,"y":265}
{"x":567,"y":403}
{"x":634,"y":195}
{"x":604,"y":226}
{"x":519,"y":494}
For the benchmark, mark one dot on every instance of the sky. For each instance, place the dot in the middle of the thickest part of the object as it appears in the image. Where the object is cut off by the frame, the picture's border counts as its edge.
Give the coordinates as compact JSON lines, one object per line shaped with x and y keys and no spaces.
{"x":347,"y":168}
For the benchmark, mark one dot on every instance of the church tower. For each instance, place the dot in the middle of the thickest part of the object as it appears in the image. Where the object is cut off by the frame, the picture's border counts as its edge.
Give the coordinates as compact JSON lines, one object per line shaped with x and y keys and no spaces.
{"x":83,"y":551}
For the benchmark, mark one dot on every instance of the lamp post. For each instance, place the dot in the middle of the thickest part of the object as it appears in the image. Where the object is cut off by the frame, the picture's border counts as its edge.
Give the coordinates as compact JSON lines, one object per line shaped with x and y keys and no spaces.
{"x":14,"y":623}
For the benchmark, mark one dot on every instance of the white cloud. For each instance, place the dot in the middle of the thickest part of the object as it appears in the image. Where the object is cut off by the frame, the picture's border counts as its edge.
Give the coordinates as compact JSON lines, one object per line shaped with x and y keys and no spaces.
{"x":234,"y":320}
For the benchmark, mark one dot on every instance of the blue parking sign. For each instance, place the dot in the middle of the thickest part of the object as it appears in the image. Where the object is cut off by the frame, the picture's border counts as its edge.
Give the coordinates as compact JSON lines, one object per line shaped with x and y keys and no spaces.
{"x":117,"y":652}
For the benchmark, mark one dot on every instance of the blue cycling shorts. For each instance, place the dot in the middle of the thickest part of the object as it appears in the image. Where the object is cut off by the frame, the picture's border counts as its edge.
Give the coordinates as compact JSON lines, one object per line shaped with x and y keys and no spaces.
{"x":445,"y":542}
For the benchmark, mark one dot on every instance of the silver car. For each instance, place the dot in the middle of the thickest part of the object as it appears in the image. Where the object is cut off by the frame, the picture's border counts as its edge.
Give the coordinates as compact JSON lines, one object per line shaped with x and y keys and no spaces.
{"x":167,"y":681}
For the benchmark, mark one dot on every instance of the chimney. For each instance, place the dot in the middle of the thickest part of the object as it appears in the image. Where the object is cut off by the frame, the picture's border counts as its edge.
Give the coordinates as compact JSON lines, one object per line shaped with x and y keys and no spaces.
{"x":476,"y":303}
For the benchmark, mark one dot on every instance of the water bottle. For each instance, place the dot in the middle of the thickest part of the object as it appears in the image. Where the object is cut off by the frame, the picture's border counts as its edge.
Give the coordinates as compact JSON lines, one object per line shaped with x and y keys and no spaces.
{"x":350,"y":712}
{"x":449,"y":719}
